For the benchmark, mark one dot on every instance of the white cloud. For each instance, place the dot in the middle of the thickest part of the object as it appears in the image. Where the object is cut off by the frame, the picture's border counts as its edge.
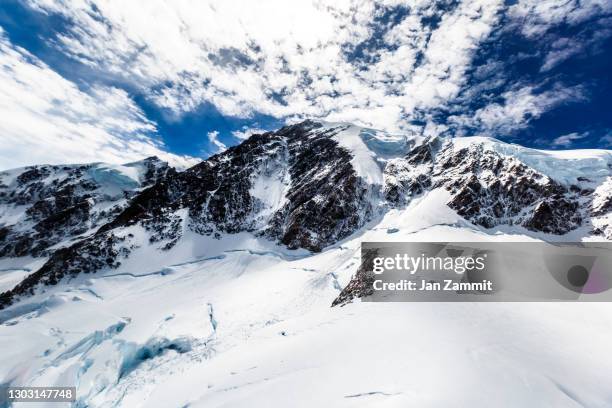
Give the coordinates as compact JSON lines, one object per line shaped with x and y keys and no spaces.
{"x":246,"y":132}
{"x":535,"y":17}
{"x":569,"y":139}
{"x":449,"y":51}
{"x":278,"y":59}
{"x":561,"y":50}
{"x":606,"y":140}
{"x":292,"y":61}
{"x":213,"y":138}
{"x":518,"y":108}
{"x":47,"y":119}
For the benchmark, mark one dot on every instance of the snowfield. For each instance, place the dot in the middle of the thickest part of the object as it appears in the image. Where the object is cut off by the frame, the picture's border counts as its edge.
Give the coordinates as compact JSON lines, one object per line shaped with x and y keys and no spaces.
{"x":241,"y":322}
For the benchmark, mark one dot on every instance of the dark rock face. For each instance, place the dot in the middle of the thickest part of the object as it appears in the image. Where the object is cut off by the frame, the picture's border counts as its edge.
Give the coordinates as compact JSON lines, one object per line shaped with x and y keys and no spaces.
{"x":491,"y":190}
{"x":85,"y":256}
{"x":487,"y":188}
{"x":557,"y":216}
{"x":323,"y":200}
{"x":326,"y":201}
{"x":361,"y":285}
{"x":410,"y":176}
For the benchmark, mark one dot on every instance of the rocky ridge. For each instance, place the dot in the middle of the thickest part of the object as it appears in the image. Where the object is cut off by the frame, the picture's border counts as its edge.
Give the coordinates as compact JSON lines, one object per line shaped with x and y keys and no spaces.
{"x":42,"y":206}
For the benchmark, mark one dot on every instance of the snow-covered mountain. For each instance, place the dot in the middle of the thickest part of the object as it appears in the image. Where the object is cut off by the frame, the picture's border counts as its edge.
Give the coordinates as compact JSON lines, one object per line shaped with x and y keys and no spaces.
{"x":151,"y":287}
{"x":41,"y":206}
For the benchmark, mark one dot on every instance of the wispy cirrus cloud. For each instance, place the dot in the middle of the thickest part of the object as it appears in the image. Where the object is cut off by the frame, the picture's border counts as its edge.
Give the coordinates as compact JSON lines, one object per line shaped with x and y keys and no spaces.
{"x":537,"y":17}
{"x":48,"y":119}
{"x":606,"y":140}
{"x":517,"y":108}
{"x":568,"y":139}
{"x":218,"y":145}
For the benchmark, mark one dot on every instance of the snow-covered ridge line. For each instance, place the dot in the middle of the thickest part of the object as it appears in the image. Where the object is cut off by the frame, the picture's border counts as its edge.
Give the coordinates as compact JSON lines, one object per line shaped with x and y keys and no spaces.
{"x":372,"y":148}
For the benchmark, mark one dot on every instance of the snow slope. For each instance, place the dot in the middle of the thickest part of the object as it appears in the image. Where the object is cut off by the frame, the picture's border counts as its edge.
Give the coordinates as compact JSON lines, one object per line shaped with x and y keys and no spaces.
{"x":241,"y":322}
{"x":370,"y":148}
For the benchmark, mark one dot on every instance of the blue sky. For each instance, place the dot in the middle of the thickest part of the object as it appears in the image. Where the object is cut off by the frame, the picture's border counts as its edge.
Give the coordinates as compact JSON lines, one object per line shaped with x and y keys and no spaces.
{"x":115,"y":80}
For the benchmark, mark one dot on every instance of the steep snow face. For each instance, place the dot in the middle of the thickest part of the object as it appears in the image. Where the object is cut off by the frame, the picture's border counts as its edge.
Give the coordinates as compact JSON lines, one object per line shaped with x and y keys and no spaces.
{"x":370,"y":148}
{"x":269,"y":188}
{"x":271,"y":191}
{"x":363,"y":159}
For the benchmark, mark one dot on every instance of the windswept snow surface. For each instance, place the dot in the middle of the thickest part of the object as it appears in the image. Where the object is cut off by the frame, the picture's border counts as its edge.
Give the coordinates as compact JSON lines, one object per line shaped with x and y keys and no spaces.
{"x":241,"y":322}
